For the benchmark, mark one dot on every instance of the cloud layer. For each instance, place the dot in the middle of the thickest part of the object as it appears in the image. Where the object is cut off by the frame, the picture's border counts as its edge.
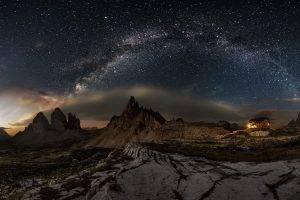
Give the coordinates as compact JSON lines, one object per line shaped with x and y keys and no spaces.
{"x":19,"y":103}
{"x":96,"y":108}
{"x":102,"y":105}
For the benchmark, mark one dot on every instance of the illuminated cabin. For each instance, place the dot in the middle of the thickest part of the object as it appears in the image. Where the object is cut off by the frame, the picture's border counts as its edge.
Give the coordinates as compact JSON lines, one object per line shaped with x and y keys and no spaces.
{"x":259,"y":124}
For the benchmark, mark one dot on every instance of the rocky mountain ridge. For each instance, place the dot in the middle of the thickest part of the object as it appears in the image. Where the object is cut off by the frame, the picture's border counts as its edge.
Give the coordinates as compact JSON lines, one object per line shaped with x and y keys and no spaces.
{"x":139,"y":124}
{"x":59,"y":122}
{"x":136,"y":118}
{"x":41,"y":132}
{"x":137,"y":172}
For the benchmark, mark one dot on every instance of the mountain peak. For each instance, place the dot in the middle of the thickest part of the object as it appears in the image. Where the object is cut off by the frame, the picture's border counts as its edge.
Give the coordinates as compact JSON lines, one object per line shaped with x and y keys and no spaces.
{"x":58,"y":110}
{"x":132,"y":99}
{"x":73,"y":122}
{"x":59,"y":123}
{"x":40,"y":123}
{"x":136,"y":117}
{"x":58,"y":120}
{"x":132,"y":108}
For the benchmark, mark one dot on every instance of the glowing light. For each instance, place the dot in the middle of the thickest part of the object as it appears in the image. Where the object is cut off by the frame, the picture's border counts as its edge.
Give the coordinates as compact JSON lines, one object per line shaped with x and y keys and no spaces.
{"x":250,"y":126}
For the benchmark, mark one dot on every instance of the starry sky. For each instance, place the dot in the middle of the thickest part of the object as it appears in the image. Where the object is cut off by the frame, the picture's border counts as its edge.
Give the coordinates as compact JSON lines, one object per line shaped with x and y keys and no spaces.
{"x":193,"y":59}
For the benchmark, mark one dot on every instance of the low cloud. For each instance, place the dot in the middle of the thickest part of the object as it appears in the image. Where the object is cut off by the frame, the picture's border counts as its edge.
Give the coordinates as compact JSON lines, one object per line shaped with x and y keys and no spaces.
{"x":29,"y":96}
{"x":95,"y":109}
{"x":19,"y":103}
{"x":103,"y":105}
{"x":22,"y":123}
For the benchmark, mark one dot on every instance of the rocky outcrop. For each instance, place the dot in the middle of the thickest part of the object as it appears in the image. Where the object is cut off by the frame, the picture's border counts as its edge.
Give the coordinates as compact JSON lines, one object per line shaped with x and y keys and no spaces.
{"x":136,"y":123}
{"x":136,"y":118}
{"x":155,"y":175}
{"x":132,"y":109}
{"x":40,"y":132}
{"x":73,"y":122}
{"x":139,"y":124}
{"x":59,"y":123}
{"x":141,"y":173}
{"x":39,"y":124}
{"x":58,"y":120}
{"x":295,"y":123}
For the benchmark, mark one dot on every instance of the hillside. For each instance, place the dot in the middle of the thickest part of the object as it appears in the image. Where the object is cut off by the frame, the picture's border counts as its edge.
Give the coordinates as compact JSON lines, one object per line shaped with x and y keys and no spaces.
{"x":140,"y":124}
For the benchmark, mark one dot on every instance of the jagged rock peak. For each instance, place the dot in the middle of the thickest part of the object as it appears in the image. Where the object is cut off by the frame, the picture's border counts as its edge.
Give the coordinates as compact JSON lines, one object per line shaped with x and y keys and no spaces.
{"x":136,"y":118}
{"x":39,"y":124}
{"x":132,"y":108}
{"x":73,"y":122}
{"x":58,"y":120}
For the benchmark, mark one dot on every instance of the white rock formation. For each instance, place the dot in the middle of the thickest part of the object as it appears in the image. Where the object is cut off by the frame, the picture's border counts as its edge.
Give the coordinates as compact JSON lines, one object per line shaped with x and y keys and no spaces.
{"x":138,"y":173}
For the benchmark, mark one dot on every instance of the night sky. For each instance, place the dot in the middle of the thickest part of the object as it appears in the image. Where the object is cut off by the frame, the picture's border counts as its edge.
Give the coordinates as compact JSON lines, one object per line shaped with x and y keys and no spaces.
{"x":236,"y":57}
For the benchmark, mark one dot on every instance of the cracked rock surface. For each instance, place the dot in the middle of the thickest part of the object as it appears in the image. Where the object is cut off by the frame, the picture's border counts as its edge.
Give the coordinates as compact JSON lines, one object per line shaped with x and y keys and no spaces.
{"x":139,"y":173}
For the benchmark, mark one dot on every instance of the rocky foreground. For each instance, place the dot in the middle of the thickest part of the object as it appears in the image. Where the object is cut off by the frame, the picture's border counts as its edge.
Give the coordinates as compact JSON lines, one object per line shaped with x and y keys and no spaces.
{"x":141,"y":155}
{"x":137,"y":172}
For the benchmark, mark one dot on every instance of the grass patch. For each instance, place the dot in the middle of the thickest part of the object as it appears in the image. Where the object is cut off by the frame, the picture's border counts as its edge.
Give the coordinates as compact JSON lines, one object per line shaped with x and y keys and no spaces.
{"x":230,"y":151}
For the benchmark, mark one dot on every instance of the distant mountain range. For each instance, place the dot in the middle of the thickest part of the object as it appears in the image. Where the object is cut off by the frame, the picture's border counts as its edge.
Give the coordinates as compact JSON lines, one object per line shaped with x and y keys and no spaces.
{"x":41,"y":132}
{"x":136,"y":123}
{"x":140,"y":124}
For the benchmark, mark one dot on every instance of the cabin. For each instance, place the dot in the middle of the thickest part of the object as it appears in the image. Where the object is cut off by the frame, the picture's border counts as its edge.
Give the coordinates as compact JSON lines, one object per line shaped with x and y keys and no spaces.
{"x":262,"y":123}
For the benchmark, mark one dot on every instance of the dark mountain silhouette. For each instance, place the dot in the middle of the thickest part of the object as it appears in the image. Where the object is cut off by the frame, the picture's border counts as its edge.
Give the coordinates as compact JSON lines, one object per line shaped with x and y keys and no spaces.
{"x":135,"y":123}
{"x":58,"y":120}
{"x":41,"y":132}
{"x":3,"y":135}
{"x":139,"y":124}
{"x":136,"y":118}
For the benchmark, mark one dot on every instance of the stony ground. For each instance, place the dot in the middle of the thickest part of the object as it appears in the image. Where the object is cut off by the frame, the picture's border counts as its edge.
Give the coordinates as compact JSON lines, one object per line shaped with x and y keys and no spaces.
{"x":139,"y":173}
{"x":23,"y":168}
